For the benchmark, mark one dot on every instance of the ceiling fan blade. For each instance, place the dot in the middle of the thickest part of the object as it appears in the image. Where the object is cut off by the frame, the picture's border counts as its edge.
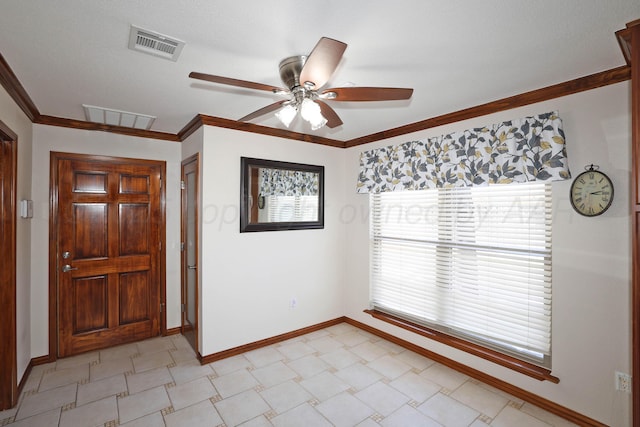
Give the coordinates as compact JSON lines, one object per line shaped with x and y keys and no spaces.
{"x":262,"y":111}
{"x":322,"y":62}
{"x":234,"y":82}
{"x":367,"y":93}
{"x":333,"y":120}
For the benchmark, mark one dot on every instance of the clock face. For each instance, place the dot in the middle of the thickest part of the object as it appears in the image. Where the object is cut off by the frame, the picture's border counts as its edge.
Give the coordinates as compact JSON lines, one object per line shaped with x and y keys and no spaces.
{"x":591,"y":193}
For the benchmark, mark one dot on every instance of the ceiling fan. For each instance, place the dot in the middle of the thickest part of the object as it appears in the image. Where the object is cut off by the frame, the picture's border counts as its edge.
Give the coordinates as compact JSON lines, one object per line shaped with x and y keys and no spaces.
{"x":304,"y":78}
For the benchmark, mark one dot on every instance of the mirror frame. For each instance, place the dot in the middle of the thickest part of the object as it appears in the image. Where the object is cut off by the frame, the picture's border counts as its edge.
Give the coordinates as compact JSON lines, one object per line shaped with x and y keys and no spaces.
{"x":246,"y":163}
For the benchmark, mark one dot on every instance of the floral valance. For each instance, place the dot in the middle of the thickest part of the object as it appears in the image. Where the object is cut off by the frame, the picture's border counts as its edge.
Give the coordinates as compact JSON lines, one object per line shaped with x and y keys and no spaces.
{"x":528,"y":149}
{"x":285,"y":182}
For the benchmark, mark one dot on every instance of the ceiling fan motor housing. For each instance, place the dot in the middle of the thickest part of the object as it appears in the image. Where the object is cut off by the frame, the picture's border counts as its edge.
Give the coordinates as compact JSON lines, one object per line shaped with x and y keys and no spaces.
{"x":290,"y":69}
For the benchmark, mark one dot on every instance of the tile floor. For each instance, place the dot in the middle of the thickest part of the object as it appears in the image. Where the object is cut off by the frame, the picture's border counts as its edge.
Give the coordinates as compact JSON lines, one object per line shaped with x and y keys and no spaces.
{"x":338,"y":376}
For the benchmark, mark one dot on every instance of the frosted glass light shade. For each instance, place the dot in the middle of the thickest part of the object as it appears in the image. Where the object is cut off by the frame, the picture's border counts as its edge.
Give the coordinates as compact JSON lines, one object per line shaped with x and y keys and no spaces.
{"x":287,"y":114}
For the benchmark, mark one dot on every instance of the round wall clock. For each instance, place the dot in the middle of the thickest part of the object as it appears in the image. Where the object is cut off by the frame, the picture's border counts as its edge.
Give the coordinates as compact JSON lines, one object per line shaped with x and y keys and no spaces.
{"x":591,"y":192}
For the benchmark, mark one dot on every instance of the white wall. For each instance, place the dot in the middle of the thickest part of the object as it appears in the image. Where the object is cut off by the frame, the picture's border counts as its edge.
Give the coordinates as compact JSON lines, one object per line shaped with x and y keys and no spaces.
{"x":12,"y":116}
{"x":591,"y":259}
{"x":47,"y":139}
{"x":249,"y":279}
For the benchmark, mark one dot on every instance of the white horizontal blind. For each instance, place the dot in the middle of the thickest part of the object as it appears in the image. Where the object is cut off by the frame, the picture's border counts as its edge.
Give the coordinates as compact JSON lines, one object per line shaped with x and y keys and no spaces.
{"x":473,"y":262}
{"x":292,"y":208}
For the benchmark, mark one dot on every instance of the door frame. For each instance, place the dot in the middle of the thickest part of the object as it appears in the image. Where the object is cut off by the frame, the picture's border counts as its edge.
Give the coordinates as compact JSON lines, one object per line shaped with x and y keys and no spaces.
{"x":53,"y":238}
{"x":183,"y":258}
{"x":8,"y":359}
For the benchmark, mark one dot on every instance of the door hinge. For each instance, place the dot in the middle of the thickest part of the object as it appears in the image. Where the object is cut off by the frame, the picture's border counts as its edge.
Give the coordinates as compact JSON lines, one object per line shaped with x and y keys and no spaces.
{"x":181,"y":246}
{"x":161,"y":307}
{"x":182,"y":185}
{"x":182,"y":307}
{"x":160,"y":182}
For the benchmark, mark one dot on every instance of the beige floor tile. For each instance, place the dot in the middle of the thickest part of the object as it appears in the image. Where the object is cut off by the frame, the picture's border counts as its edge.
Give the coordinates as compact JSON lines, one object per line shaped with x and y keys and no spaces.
{"x":308,"y":366}
{"x":545,"y":416}
{"x":241,"y":407}
{"x":306,"y":412}
{"x":285,"y":396}
{"x":92,"y":414}
{"x":66,"y":376}
{"x":148,"y":379}
{"x":480,"y":399}
{"x":340,"y":358}
{"x":46,"y":419}
{"x":110,"y":368}
{"x":79,"y":360}
{"x":510,"y":417}
{"x":389,"y":367}
{"x":231,"y":364}
{"x":234,"y":383}
{"x":449,"y":412}
{"x":369,"y":351}
{"x":273,"y":374}
{"x":200,"y":414}
{"x":119,"y":352}
{"x":325,"y":344}
{"x":47,"y":400}
{"x":187,"y":394}
{"x":97,"y":390}
{"x":344,"y":410}
{"x":143,"y":403}
{"x":183,"y":355}
{"x":263,"y":356}
{"x":152,"y":360}
{"x":324,"y":386}
{"x":151,"y":420}
{"x":358,"y":376}
{"x":351,"y":338}
{"x":416,"y":387}
{"x":446,"y":377}
{"x":296,"y":350}
{"x":259,"y":421}
{"x":414,"y":359}
{"x":383,"y":398}
{"x":341,"y":328}
{"x":156,"y":344}
{"x":407,"y":416}
{"x":187,"y":372}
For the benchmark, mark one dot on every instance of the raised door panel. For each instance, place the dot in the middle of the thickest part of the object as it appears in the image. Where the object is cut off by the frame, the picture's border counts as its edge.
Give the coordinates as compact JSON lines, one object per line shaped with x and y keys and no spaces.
{"x":90,"y":299}
{"x":134,"y":297}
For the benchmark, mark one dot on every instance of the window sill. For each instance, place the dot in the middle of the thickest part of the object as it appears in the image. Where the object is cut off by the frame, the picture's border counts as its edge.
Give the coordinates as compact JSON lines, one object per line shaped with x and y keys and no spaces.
{"x":523,"y":367}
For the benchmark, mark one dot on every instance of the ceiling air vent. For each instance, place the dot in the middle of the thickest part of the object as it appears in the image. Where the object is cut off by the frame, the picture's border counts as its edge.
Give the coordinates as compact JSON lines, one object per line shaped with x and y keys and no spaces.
{"x":109,"y":116}
{"x":155,"y":43}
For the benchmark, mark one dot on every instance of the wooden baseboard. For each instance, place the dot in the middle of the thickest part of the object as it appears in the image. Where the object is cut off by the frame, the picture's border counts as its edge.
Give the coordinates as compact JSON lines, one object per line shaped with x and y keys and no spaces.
{"x":268,"y":341}
{"x":536,"y":400}
{"x":173,"y":331}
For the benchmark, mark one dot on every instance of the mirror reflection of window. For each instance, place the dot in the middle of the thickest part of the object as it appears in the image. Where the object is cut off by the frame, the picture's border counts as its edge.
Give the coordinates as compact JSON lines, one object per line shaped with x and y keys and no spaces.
{"x":287,"y":207}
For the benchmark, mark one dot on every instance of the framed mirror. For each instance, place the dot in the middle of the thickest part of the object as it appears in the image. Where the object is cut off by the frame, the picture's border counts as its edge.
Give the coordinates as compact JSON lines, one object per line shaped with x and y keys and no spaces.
{"x":278,"y":195}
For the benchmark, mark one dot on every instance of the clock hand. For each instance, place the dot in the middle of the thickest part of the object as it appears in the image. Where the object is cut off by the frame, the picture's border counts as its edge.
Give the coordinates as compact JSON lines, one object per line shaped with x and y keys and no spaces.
{"x":596,"y":192}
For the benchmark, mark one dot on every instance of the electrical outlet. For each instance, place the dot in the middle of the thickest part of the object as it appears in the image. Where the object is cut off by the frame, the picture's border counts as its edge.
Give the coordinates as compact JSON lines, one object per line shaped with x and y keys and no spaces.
{"x":623,"y":382}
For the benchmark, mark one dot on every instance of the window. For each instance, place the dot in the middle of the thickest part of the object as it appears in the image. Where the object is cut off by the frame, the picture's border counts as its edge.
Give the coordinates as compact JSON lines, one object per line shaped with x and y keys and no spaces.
{"x":472,"y":262}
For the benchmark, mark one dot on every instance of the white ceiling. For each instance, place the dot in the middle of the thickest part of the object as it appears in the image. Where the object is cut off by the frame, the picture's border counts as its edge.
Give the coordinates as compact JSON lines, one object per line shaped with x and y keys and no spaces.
{"x":454,"y":53}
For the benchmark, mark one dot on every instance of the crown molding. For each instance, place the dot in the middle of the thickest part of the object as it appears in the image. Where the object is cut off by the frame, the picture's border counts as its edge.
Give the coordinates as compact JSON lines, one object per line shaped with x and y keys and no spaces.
{"x":593,"y":81}
{"x":202,"y":119}
{"x":84,"y":125}
{"x":14,"y":88}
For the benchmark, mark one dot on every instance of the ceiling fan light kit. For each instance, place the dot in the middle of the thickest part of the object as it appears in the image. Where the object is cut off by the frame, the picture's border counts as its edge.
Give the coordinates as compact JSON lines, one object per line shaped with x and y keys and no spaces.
{"x":304,"y":76}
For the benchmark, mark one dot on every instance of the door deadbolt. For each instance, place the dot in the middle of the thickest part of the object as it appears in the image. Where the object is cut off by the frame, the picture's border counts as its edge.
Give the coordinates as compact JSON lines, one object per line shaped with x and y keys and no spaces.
{"x":66,"y":254}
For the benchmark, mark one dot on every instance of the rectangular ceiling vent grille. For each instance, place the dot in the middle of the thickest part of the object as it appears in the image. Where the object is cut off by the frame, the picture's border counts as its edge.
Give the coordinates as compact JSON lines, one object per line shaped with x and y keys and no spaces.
{"x":109,"y":116}
{"x":155,"y":43}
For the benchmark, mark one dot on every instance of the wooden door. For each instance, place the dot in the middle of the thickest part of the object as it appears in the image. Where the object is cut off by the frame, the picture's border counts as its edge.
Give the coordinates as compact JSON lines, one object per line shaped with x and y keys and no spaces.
{"x":108,"y":256}
{"x":189,"y":245}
